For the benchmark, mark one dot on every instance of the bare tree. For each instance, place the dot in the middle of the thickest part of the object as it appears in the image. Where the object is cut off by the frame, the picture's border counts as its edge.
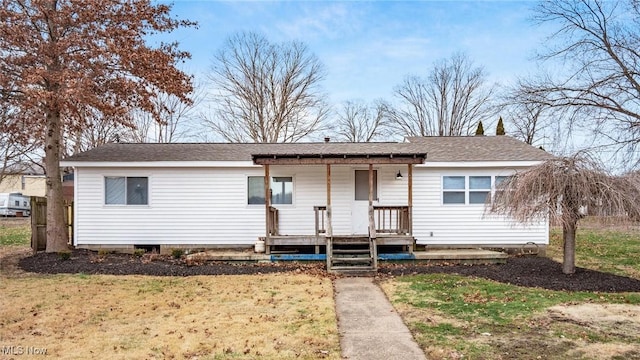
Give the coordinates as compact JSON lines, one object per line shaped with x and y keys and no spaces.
{"x":359,"y":122}
{"x":266,"y":92}
{"x":564,"y":189}
{"x":596,"y":42}
{"x":448,"y":102}
{"x":17,"y":148}
{"x":63,"y":60}
{"x":98,"y":130}
{"x":529,"y":120}
{"x":173,"y":124}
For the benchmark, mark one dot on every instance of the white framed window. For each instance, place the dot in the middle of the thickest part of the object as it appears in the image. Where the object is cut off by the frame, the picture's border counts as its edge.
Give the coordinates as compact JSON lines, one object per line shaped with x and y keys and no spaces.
{"x":453,"y":189}
{"x":281,"y":190}
{"x":479,"y":189}
{"x":469,"y":190}
{"x":123,"y":190}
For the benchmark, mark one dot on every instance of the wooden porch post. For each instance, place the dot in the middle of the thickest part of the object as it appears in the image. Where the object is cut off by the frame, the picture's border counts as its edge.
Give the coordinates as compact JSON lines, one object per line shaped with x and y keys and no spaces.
{"x":410,"y":202}
{"x":328,"y":231}
{"x":267,"y":206}
{"x":372,"y":224}
{"x":329,"y":227}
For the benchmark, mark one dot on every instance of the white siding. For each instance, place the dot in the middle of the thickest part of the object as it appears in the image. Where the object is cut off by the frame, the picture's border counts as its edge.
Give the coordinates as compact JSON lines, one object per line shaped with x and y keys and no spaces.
{"x":191,"y":206}
{"x":438,"y":224}
{"x":208,"y":206}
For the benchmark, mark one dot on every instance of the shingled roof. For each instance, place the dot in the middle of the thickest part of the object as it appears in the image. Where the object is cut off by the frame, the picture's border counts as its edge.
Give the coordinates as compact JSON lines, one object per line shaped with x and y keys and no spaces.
{"x":477,"y":148}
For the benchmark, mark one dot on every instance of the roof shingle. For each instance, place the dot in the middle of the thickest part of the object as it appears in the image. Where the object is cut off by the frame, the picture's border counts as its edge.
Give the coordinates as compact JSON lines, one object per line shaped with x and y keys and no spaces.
{"x":438,"y":149}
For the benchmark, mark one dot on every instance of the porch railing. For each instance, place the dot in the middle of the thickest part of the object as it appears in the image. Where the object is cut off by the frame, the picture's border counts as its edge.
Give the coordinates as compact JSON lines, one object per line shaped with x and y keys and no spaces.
{"x":321,"y":212}
{"x":388,"y":219}
{"x":391,"y":219}
{"x":273,"y":221}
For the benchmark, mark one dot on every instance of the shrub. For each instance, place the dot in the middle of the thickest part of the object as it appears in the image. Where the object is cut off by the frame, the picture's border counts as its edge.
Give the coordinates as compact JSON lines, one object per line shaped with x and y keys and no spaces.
{"x":177,"y":253}
{"x":138,"y":252}
{"x":103,"y":252}
{"x":64,"y":255}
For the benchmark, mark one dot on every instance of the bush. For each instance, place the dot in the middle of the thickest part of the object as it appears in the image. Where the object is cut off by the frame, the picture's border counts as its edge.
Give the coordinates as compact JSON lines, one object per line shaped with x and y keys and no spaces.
{"x":64,"y":255}
{"x":103,"y":252}
{"x":177,"y":253}
{"x":138,"y":252}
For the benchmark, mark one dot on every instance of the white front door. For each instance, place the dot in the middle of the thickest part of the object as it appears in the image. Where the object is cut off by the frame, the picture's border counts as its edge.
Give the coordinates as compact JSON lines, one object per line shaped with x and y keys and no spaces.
{"x":360,"y":205}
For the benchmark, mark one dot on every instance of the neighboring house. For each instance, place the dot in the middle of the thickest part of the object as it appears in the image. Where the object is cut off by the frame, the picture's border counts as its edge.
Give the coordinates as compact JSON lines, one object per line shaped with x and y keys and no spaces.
{"x":430,"y":191}
{"x":29,"y":181}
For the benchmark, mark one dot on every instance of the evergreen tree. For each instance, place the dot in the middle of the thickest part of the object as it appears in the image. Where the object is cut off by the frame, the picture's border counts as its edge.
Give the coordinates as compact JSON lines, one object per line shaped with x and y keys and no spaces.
{"x":500,"y":127}
{"x":480,"y":129}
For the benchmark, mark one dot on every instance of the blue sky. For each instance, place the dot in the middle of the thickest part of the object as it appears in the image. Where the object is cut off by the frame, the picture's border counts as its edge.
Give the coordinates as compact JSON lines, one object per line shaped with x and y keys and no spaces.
{"x":369,"y":47}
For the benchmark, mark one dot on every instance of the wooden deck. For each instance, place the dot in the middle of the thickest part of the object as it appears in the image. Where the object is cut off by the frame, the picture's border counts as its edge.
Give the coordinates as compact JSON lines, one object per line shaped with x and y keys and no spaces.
{"x":317,"y":241}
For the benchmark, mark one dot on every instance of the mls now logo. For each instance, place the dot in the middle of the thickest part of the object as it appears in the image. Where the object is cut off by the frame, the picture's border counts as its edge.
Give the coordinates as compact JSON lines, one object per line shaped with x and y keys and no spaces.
{"x":21,"y":350}
{"x":12,"y":350}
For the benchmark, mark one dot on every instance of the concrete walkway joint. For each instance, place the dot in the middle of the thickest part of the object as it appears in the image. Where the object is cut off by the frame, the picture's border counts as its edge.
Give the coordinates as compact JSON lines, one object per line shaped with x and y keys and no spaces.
{"x":369,"y":326}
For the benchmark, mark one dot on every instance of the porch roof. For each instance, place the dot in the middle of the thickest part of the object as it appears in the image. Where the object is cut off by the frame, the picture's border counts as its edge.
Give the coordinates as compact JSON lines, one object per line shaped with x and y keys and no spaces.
{"x":342,"y":153}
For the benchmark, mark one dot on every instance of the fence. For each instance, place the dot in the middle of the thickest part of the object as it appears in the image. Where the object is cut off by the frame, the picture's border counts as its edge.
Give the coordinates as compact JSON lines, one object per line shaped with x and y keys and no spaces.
{"x":39,"y":222}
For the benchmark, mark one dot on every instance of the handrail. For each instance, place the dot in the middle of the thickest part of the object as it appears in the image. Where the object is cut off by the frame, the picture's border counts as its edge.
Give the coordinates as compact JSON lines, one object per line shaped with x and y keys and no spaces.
{"x":273,"y":221}
{"x":320,"y":212}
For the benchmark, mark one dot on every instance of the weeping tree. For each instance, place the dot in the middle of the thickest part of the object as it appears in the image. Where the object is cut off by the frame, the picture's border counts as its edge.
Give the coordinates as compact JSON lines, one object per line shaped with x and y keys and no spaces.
{"x":565,"y":189}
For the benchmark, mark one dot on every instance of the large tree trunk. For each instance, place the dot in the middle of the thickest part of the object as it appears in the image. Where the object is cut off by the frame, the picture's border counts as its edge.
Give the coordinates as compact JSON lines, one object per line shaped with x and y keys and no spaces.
{"x":569,"y":237}
{"x":56,"y":230}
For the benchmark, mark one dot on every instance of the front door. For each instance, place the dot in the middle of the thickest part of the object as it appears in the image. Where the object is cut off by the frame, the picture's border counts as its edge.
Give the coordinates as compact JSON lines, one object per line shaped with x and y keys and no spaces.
{"x":360,"y":205}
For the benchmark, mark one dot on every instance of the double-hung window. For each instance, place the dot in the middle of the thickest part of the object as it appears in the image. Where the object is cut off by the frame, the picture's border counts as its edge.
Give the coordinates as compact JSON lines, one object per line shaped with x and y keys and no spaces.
{"x":472,"y":190}
{"x":123,"y":190}
{"x":281,"y":190}
{"x":479,"y":189}
{"x":453,"y":190}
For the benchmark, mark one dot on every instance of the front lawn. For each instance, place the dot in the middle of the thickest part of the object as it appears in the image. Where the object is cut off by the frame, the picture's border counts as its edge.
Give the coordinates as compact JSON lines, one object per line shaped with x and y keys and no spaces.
{"x":275,"y":316}
{"x":460,"y":317}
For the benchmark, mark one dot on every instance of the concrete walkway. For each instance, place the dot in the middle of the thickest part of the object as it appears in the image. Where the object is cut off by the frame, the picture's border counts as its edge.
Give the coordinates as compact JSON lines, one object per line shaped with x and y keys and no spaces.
{"x":369,"y":326}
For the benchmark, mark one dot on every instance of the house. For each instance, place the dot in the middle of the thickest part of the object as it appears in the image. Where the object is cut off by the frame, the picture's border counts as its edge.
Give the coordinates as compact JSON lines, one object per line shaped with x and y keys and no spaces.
{"x":426,"y":191}
{"x":28,"y":180}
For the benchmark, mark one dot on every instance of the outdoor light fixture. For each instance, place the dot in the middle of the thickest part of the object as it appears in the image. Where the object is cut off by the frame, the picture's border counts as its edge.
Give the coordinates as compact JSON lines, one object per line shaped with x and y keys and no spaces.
{"x":399,"y":175}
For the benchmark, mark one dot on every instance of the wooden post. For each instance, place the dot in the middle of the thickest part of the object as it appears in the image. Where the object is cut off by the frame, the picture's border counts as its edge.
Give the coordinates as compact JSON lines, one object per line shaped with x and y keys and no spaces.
{"x":410,"y":202}
{"x":328,"y":231}
{"x":267,"y":205}
{"x":372,"y":223}
{"x":329,"y":228}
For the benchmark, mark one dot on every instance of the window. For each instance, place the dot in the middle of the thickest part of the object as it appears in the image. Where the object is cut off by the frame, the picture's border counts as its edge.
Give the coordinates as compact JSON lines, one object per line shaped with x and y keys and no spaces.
{"x":500,"y":179}
{"x":281,"y":190}
{"x":454,"y":190}
{"x":479,"y":189}
{"x":126,"y":190}
{"x":471,"y":190}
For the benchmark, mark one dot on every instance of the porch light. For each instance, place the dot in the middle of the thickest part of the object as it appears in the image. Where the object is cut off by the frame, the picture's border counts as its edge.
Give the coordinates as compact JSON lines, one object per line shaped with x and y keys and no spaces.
{"x":399,"y":175}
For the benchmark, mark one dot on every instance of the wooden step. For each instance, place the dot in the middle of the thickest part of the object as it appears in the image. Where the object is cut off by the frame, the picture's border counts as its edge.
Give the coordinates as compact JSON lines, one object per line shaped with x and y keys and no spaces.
{"x":351,"y":251}
{"x":352,"y":262}
{"x":354,"y":270}
{"x":351,"y":242}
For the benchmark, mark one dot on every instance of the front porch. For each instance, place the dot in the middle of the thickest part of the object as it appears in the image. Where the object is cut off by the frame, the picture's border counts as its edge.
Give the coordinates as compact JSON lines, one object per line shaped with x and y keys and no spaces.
{"x":352,"y":225}
{"x":391,"y":227}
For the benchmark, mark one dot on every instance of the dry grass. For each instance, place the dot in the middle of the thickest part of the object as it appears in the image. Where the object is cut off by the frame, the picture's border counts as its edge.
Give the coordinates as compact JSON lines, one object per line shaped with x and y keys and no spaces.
{"x":275,"y":316}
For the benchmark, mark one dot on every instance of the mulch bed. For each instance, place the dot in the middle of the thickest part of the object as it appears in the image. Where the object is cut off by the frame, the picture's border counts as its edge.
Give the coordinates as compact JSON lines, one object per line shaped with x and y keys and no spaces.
{"x":522,"y":271}
{"x":529,"y":272}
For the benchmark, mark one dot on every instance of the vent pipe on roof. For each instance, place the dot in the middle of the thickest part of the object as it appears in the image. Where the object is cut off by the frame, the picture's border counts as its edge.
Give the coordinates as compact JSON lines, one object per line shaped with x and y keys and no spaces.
{"x":327,"y":139}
